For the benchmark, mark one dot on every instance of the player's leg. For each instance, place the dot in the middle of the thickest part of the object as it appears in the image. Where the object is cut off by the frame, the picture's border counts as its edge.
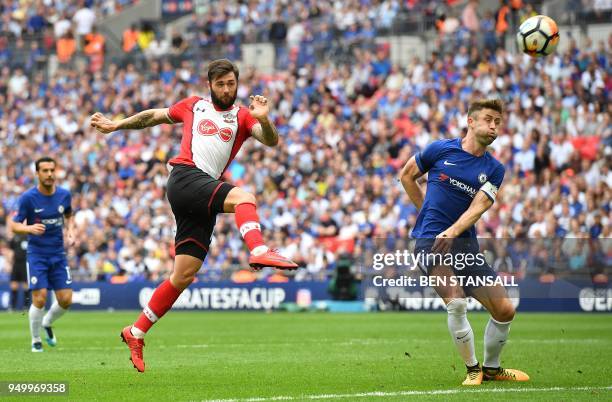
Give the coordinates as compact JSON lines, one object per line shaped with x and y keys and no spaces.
{"x":35,"y":315}
{"x":14,"y":285}
{"x":37,"y":269}
{"x":18,"y":280}
{"x":27,"y":295}
{"x":458,"y":324}
{"x":61,"y":281}
{"x":189,"y":191}
{"x":63,"y":301}
{"x":244,"y":206}
{"x":164,"y":296}
{"x":495,"y":299}
{"x":185,"y":268}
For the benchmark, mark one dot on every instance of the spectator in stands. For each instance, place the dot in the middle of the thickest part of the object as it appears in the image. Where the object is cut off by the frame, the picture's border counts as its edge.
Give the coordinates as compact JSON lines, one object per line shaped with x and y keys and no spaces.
{"x":469,"y":16}
{"x":84,"y":20}
{"x":145,"y":36}
{"x":37,"y":20}
{"x":94,"y":49}
{"x":130,"y":39}
{"x":502,"y":23}
{"x":178,"y":45}
{"x":18,"y":84}
{"x":62,"y":25}
{"x":277,"y":35}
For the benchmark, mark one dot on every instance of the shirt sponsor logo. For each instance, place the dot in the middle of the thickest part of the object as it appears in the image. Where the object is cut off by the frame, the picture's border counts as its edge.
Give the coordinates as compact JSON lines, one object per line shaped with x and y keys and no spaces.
{"x":55,"y":221}
{"x":225,"y":134}
{"x":471,"y":191}
{"x":208,"y":127}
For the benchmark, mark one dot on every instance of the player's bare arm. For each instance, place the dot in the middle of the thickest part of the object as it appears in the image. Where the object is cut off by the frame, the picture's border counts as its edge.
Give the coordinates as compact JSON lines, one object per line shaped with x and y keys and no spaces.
{"x":144,"y":119}
{"x":70,"y":229}
{"x":36,"y":229}
{"x":409,"y":176}
{"x":264,"y":132}
{"x":479,"y":206}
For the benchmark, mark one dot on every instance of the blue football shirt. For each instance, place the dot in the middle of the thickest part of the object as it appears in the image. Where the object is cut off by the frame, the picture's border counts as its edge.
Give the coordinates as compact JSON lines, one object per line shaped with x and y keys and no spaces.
{"x":35,"y":207}
{"x":455,"y":176}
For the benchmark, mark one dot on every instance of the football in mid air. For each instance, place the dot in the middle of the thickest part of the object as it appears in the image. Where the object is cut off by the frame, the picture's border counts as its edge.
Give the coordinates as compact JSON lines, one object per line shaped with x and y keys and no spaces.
{"x":538,"y":36}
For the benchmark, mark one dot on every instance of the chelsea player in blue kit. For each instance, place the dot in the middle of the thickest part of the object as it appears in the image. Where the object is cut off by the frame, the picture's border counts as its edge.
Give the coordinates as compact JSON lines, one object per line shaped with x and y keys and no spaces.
{"x":43,"y":212}
{"x":462,"y":184}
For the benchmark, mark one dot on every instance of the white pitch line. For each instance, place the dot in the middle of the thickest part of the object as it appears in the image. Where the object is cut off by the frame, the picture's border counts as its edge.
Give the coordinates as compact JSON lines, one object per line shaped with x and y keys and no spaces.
{"x":194,"y":346}
{"x":349,"y":342}
{"x":409,"y":393}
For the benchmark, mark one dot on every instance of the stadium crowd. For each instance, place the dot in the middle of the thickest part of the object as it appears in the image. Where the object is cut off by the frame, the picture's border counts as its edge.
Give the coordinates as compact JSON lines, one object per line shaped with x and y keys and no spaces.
{"x":330,"y":188}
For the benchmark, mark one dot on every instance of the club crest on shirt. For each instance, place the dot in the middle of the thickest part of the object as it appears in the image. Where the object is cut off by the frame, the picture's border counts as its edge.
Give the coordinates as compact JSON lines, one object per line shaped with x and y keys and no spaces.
{"x":482,"y":178}
{"x":229,"y":118}
{"x":60,"y":209}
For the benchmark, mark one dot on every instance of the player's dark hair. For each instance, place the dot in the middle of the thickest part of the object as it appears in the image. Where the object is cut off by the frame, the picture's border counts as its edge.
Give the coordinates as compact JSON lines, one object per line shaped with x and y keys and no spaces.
{"x":493,"y":104}
{"x":44,"y":159}
{"x":218,"y":68}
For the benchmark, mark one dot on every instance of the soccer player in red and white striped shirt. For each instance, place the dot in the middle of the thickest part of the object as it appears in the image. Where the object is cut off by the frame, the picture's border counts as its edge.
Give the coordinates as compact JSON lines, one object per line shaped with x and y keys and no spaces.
{"x":213,"y":132}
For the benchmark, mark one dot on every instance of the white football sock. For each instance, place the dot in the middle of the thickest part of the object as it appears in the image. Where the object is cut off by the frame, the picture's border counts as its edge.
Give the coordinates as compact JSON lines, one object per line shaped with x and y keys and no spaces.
{"x":461,"y":330}
{"x":55,"y":312}
{"x":139,"y":334}
{"x":36,"y":316}
{"x":496,"y":334}
{"x":259,"y":250}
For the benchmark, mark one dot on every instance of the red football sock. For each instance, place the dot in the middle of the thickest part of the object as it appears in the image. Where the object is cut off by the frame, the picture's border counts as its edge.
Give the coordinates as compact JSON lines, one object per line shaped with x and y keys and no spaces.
{"x":247,"y":221}
{"x":162,"y":300}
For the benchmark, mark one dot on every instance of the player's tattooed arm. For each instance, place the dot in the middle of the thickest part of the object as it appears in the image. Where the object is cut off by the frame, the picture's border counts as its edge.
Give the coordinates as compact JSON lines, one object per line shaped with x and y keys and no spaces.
{"x":146,"y":118}
{"x":264,"y":132}
{"x":408,"y":177}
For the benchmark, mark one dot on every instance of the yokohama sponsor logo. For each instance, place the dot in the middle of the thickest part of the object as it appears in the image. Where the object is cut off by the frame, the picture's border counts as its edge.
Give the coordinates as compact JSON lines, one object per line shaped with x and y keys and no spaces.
{"x":471,"y":191}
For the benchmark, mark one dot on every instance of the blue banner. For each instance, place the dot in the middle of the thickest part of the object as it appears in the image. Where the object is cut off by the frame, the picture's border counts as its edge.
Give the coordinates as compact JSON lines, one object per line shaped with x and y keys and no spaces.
{"x":529,"y":295}
{"x":199,"y":296}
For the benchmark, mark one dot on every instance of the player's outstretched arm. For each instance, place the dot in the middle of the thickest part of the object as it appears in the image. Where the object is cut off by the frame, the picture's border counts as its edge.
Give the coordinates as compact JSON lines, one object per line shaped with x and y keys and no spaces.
{"x":146,"y":118}
{"x":264,"y":132}
{"x":408,"y":176}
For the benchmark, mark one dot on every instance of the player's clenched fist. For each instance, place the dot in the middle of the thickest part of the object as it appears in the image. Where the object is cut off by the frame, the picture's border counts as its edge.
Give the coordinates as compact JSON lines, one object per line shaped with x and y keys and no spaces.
{"x":102,"y":123}
{"x":259,"y":107}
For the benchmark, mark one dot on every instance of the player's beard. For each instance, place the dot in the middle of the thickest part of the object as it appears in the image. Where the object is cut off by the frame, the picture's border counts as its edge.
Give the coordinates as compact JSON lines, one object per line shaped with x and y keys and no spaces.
{"x":226,"y":103}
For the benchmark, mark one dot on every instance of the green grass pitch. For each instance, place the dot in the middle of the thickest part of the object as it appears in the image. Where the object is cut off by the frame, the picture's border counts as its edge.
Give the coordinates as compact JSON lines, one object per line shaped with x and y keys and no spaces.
{"x":309,"y":356}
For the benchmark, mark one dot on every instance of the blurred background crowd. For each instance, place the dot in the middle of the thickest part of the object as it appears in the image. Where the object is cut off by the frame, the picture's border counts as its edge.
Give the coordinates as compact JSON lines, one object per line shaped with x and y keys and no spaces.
{"x":349,"y":119}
